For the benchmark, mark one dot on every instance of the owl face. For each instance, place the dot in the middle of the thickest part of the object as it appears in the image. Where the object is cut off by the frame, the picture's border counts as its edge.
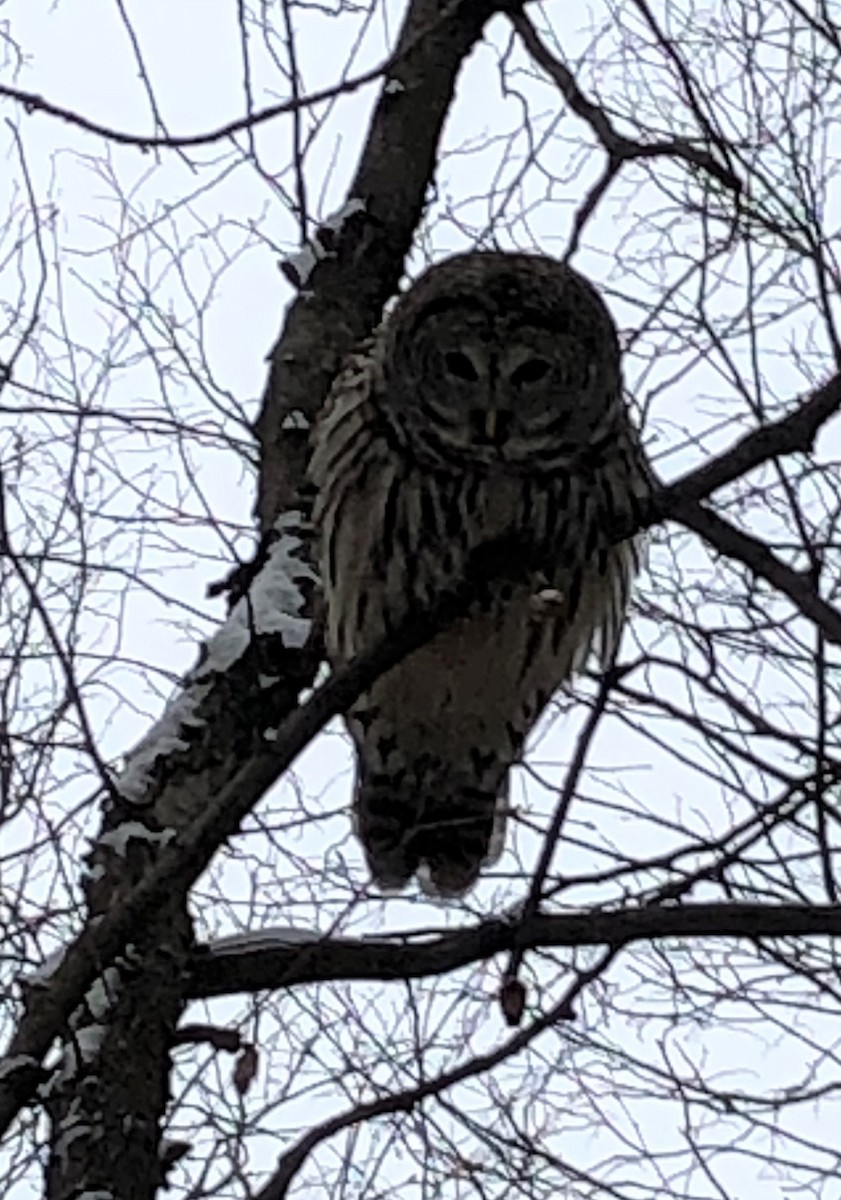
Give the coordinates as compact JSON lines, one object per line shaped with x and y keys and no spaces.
{"x":513,"y":361}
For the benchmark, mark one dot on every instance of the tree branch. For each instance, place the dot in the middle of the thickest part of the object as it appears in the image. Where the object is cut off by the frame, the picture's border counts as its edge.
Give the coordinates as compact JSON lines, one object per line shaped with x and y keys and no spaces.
{"x":292,"y":1161}
{"x":221,"y":815}
{"x":181,"y":860}
{"x":734,"y":543}
{"x":619,"y":148}
{"x":343,"y":295}
{"x":33,"y":103}
{"x":792,"y":434}
{"x":284,"y":965}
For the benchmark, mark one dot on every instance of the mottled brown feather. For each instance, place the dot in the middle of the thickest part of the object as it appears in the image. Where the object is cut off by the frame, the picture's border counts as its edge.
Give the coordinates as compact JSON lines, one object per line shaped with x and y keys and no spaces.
{"x":404,"y":504}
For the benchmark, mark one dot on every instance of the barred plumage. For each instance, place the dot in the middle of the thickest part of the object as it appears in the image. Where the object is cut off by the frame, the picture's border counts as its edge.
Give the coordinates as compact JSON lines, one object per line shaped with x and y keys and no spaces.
{"x":488,"y":407}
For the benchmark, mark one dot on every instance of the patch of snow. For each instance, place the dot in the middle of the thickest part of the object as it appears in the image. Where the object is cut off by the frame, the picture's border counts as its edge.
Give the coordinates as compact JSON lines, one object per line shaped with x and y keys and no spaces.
{"x":272,"y":604}
{"x":83,"y":1049}
{"x":266,"y":939}
{"x":88,"y":1030}
{"x":164,"y":738}
{"x":349,"y":209}
{"x":49,"y":1086}
{"x":301,"y":264}
{"x":119,"y":838}
{"x":102,"y":993}
{"x":295,"y":419}
{"x":87,"y":1043}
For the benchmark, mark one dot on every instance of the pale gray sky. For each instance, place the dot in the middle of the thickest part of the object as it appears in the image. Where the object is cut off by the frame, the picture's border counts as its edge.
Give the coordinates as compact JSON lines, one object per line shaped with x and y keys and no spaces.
{"x":136,"y":242}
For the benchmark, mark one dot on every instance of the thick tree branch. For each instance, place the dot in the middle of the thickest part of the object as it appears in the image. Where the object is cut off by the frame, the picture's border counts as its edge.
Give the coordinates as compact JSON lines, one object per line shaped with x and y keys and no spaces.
{"x":342,"y":297}
{"x":181,"y":860}
{"x":259,"y":967}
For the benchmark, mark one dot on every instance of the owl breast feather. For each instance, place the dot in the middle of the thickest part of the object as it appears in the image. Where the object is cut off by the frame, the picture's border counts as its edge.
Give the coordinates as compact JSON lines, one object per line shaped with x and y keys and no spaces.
{"x":436,"y":735}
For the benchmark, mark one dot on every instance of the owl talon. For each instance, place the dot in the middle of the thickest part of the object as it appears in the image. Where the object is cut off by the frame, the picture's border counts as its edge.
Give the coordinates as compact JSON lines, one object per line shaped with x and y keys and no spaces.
{"x":547,"y":604}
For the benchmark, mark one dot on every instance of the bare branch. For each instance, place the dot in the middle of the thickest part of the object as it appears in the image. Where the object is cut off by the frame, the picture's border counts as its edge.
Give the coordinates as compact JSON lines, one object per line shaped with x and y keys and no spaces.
{"x":619,"y":149}
{"x":793,"y":434}
{"x":406,"y":1101}
{"x":220,"y":973}
{"x":736,"y":544}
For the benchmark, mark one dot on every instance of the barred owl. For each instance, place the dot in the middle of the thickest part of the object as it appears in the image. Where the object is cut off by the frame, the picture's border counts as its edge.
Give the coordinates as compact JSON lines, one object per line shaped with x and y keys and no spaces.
{"x":487,"y":410}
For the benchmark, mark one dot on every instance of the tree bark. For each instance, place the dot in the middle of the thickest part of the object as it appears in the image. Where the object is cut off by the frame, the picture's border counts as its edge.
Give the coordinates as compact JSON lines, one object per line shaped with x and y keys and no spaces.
{"x":342,"y":299}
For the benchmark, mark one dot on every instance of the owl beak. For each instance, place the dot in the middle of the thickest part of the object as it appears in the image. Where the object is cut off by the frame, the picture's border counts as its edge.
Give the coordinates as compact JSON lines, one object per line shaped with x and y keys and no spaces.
{"x":498,"y":423}
{"x":491,"y":426}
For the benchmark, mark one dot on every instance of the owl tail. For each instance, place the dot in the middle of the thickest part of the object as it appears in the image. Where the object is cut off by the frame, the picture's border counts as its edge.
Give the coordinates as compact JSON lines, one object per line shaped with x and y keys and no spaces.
{"x":443,"y":830}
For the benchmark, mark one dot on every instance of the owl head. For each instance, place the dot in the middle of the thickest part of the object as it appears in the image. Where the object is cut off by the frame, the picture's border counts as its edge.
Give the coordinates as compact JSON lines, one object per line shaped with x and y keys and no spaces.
{"x":506,"y":359}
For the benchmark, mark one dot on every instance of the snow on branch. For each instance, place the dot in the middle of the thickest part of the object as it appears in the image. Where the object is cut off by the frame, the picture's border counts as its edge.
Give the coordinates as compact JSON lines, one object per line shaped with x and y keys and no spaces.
{"x":273,"y":606}
{"x":265,"y":939}
{"x":272,"y":962}
{"x":88,"y":1029}
{"x":299,"y":266}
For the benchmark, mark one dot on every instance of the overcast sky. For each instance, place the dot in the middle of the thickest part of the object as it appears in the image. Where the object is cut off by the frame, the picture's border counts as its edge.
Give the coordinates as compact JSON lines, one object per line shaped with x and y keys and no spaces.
{"x":136,"y":243}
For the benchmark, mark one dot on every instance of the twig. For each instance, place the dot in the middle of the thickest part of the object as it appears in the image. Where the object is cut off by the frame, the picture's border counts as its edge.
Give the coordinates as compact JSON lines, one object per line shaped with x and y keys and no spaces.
{"x":291,"y":1162}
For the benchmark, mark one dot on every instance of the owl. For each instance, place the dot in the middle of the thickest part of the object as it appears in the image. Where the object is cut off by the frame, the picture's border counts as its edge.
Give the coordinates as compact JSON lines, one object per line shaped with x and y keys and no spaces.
{"x":486,"y":414}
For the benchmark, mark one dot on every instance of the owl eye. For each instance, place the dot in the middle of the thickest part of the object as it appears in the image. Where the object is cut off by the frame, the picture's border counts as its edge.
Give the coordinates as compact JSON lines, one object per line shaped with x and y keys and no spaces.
{"x":459,"y":364}
{"x":531,"y":371}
